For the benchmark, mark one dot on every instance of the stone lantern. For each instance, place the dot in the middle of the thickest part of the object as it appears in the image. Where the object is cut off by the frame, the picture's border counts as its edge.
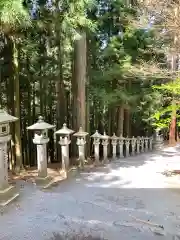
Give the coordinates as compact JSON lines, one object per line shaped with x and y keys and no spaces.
{"x":146,"y":141}
{"x":96,"y":142}
{"x":150,"y":143}
{"x":127,"y":144}
{"x":133,"y":144}
{"x":138,"y":144}
{"x":121,"y":145}
{"x":7,"y":192}
{"x":114,"y":140}
{"x":41,"y":139}
{"x":105,"y":143}
{"x":64,"y":141}
{"x":81,"y":141}
{"x":142,"y":144}
{"x":158,"y":141}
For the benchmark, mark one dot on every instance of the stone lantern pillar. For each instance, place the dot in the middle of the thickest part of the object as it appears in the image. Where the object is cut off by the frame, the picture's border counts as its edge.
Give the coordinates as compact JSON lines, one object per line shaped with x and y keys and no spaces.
{"x":142,"y":144}
{"x":133,"y":144}
{"x":96,"y":142}
{"x":7,"y":192}
{"x":150,"y":143}
{"x":121,"y":145}
{"x":64,"y":143}
{"x":127,"y":143}
{"x":64,"y":134}
{"x":41,"y":139}
{"x":105,"y":143}
{"x":138,"y":145}
{"x":114,"y":140}
{"x":158,"y":140}
{"x":81,"y":141}
{"x":146,"y":140}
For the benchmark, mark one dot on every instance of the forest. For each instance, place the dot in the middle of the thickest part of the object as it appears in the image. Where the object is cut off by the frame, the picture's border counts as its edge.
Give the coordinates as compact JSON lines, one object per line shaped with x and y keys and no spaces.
{"x":110,"y":65}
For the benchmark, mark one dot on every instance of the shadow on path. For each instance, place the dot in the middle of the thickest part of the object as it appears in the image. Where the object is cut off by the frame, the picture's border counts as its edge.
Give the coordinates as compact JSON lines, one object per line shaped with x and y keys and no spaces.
{"x":105,"y":203}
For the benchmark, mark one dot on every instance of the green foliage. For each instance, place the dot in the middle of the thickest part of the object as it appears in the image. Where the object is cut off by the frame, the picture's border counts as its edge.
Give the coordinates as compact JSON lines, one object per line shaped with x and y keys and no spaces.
{"x":73,"y":17}
{"x":13,"y":14}
{"x":171,"y":93}
{"x":172,"y":87}
{"x":122,"y":45}
{"x":115,"y":46}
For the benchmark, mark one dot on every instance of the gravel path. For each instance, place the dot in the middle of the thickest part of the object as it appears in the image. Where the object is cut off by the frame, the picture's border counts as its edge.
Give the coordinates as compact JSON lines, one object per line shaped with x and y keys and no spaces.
{"x":102,"y":203}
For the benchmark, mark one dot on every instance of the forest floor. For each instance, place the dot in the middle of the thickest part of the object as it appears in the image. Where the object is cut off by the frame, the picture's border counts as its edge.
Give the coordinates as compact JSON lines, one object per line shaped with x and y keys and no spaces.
{"x":123,"y":200}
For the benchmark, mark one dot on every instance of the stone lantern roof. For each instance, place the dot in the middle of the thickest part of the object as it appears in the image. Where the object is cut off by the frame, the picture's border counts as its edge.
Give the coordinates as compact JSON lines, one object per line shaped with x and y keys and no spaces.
{"x":81,"y":133}
{"x":121,"y":136}
{"x":6,"y":118}
{"x":40,"y":125}
{"x":105,"y":136}
{"x":114,"y":137}
{"x":64,"y":130}
{"x":96,"y":135}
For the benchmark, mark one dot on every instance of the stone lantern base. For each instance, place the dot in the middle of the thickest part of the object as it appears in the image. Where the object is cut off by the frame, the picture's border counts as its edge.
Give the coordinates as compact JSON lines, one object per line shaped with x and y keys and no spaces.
{"x":99,"y":163}
{"x":7,"y":195}
{"x":45,"y":182}
{"x":158,"y":145}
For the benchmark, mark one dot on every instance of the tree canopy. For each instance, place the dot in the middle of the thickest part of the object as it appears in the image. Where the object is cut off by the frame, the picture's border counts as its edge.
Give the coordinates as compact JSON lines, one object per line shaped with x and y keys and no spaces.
{"x":105,"y":64}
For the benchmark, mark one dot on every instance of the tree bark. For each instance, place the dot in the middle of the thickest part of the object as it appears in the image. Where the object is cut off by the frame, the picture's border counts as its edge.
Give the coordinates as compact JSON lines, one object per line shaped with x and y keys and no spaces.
{"x":127,"y":127}
{"x":18,"y":144}
{"x":120,"y":119}
{"x":79,"y":83}
{"x":61,"y":114}
{"x":172,"y":129}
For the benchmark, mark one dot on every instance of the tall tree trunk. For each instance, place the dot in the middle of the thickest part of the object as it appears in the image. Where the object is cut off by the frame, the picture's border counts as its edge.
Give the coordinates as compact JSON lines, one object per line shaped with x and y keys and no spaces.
{"x":30,"y":149}
{"x":120,"y":120}
{"x":127,"y":117}
{"x":41,"y":88}
{"x":79,"y":83}
{"x":88,"y":124}
{"x":61,"y":114}
{"x":110,"y":120}
{"x":60,"y":93}
{"x":10,"y":95}
{"x":127,"y":114}
{"x":172,"y":130}
{"x":18,"y":146}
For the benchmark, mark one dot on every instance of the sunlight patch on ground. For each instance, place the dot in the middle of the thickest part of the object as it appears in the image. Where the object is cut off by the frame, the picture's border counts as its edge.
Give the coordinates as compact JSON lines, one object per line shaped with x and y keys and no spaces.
{"x":145,"y":175}
{"x":171,"y":149}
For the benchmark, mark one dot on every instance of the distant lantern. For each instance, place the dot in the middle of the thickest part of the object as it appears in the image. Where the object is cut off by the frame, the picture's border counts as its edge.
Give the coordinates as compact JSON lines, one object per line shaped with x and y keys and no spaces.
{"x":64,"y":141}
{"x":105,"y":141}
{"x":114,"y":140}
{"x":96,"y":135}
{"x":105,"y":137}
{"x":96,"y":142}
{"x":81,"y":141}
{"x":81,"y":133}
{"x":65,"y":131}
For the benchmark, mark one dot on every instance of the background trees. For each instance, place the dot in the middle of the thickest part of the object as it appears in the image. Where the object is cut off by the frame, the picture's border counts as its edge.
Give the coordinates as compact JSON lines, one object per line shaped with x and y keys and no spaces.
{"x":88,"y":63}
